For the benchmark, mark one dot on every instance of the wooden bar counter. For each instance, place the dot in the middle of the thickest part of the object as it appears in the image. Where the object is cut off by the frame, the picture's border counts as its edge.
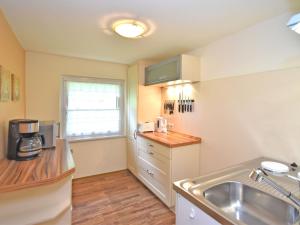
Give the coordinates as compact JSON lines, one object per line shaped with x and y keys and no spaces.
{"x":38,"y":191}
{"x":51,"y":166}
{"x":171,"y":139}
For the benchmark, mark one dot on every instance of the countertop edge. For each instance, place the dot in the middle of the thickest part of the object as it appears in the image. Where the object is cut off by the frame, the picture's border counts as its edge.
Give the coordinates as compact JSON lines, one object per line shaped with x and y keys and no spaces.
{"x":11,"y":188}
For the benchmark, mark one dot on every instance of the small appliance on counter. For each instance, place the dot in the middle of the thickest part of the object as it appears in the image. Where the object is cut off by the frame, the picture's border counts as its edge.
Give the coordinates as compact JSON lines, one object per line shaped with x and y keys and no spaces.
{"x":146,"y":127}
{"x":24,"y":140}
{"x":161,"y":124}
{"x":49,"y":130}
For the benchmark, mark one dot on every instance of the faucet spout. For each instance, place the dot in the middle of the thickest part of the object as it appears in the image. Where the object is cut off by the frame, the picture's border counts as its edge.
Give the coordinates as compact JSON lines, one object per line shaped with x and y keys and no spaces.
{"x":259,"y":175}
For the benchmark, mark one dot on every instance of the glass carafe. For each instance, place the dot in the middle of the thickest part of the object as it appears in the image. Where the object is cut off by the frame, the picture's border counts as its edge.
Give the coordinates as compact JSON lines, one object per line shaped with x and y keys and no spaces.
{"x":29,"y":144}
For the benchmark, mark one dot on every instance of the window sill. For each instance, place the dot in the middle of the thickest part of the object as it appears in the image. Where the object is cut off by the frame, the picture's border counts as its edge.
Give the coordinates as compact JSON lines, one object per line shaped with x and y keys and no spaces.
{"x":85,"y":139}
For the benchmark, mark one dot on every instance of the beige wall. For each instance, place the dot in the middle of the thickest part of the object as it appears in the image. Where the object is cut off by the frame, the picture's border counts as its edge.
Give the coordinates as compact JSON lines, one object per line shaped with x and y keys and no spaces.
{"x":248,"y":103}
{"x":12,"y":57}
{"x":43,"y":80}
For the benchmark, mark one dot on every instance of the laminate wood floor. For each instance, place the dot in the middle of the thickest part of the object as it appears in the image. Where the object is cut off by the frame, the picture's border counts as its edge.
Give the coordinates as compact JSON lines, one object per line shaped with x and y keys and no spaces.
{"x":117,"y":198}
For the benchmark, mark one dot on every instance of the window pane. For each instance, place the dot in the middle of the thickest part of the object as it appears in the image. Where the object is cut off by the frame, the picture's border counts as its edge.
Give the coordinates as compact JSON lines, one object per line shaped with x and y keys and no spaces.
{"x":92,"y":95}
{"x":92,"y":109}
{"x":82,"y":123}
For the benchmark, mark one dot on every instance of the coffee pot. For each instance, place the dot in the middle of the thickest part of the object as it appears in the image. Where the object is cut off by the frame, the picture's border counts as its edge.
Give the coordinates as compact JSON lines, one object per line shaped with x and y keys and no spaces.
{"x":24,"y":140}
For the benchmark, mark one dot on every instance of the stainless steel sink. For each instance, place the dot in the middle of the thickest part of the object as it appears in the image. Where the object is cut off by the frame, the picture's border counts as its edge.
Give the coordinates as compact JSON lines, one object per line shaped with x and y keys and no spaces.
{"x":250,"y":205}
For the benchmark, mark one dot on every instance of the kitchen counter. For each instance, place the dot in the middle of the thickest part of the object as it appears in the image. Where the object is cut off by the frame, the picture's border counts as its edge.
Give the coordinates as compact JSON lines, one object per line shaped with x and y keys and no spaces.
{"x":171,"y":139}
{"x":50,"y":167}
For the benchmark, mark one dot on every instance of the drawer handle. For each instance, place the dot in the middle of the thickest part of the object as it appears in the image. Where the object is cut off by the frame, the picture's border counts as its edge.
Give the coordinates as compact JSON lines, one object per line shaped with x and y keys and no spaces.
{"x":150,"y":173}
{"x":150,"y":145}
{"x":150,"y":153}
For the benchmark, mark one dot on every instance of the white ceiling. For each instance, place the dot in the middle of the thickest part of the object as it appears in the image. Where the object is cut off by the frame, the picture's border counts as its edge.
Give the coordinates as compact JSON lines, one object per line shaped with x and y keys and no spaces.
{"x":76,"y":27}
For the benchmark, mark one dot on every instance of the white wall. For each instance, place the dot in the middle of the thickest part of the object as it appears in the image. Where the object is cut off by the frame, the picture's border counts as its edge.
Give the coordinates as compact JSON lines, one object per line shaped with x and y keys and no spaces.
{"x":43,"y":82}
{"x":248,"y":103}
{"x":269,"y":45}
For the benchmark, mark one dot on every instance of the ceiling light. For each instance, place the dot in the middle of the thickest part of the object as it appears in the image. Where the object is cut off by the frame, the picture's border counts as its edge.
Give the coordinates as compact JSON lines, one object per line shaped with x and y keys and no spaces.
{"x":294,"y":23}
{"x":129,"y":28}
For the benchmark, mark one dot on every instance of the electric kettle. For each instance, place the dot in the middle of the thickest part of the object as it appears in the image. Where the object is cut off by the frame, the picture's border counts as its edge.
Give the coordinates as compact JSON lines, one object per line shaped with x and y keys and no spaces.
{"x":161,"y":124}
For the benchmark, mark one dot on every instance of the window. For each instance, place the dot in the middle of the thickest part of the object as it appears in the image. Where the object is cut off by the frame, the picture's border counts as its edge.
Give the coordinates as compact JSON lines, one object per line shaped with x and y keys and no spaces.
{"x":92,"y":108}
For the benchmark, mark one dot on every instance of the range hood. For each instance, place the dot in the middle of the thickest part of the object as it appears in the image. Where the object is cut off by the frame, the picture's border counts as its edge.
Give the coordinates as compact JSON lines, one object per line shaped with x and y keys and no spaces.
{"x":294,"y":23}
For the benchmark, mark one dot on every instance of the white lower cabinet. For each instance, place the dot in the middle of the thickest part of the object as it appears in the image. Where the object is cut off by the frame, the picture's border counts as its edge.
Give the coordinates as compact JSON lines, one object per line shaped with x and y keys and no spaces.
{"x":131,"y":155}
{"x":189,"y":214}
{"x":159,"y":166}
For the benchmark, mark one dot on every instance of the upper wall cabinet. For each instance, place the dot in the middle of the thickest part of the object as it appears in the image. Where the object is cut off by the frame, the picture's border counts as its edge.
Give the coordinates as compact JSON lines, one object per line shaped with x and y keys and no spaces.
{"x":179,"y":69}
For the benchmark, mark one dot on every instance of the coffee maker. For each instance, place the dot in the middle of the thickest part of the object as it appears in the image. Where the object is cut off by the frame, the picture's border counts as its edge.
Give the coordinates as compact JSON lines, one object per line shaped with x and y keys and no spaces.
{"x":24,"y":140}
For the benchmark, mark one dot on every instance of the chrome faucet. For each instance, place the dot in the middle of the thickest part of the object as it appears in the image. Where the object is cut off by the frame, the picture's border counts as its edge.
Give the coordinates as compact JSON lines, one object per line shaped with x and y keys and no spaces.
{"x":259,"y":175}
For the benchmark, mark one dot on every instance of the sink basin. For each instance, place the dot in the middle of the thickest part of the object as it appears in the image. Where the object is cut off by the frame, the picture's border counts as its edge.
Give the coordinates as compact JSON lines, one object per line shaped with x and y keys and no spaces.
{"x":250,"y":205}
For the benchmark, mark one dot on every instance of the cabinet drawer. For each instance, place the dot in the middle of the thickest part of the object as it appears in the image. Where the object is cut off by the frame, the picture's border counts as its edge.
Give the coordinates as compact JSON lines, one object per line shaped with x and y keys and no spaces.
{"x":155,"y":173}
{"x":155,"y":159}
{"x":151,"y":146}
{"x":155,"y":179}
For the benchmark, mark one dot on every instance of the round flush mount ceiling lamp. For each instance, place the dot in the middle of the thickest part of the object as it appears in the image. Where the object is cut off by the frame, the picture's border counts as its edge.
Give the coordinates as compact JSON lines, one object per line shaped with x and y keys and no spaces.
{"x":129,"y":28}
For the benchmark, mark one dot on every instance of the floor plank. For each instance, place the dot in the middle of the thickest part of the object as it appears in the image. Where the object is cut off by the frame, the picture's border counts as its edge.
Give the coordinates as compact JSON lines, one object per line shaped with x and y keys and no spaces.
{"x":117,"y":198}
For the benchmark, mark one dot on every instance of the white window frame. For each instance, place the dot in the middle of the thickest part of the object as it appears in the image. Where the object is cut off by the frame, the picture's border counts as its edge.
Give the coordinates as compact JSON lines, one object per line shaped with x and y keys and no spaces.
{"x":64,"y":94}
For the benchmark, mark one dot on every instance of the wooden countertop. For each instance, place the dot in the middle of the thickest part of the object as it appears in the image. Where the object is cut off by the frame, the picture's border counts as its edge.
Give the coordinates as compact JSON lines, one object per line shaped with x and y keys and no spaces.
{"x":171,"y":139}
{"x":51,"y":166}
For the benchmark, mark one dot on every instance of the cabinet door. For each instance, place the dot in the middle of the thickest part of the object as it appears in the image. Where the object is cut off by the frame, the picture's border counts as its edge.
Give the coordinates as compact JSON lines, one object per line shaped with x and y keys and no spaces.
{"x":166,"y":71}
{"x":132,"y":98}
{"x":132,"y":156}
{"x":189,"y":214}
